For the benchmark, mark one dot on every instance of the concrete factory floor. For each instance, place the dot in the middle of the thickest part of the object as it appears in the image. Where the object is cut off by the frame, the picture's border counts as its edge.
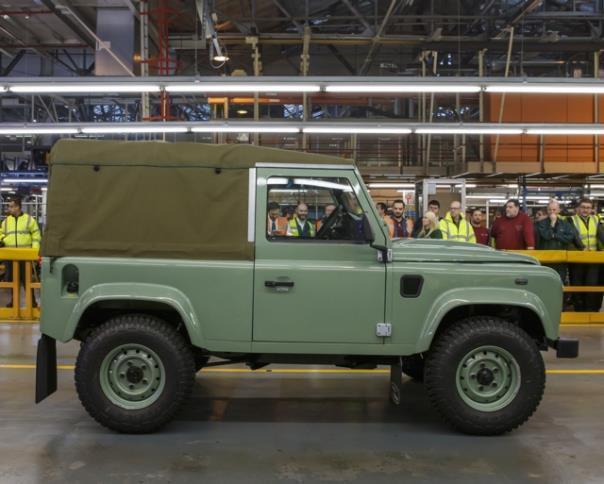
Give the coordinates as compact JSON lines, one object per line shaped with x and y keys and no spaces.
{"x":298,"y":427}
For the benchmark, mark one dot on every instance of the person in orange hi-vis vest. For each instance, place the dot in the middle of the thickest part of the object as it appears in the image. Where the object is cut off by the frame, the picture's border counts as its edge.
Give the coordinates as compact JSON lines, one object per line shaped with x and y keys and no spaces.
{"x":275,"y":224}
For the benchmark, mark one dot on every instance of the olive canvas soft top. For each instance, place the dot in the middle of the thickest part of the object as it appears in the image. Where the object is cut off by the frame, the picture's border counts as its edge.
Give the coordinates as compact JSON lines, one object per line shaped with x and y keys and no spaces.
{"x":154,"y":199}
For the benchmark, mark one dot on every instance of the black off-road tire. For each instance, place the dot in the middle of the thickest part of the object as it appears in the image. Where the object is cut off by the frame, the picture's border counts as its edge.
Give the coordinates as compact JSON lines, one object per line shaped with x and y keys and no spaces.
{"x":441,"y":375}
{"x":165,"y":342}
{"x":413,"y":366}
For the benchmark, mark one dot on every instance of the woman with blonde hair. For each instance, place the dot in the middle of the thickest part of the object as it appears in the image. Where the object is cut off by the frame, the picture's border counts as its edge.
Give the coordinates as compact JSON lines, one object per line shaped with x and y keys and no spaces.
{"x":430,"y":228}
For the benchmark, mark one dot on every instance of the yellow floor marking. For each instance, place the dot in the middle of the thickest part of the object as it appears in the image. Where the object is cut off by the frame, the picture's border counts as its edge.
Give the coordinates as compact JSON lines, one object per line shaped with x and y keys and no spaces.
{"x":308,"y":370}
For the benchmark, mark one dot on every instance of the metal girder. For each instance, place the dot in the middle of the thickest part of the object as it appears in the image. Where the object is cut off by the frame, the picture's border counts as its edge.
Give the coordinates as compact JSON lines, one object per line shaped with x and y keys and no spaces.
{"x":70,"y":23}
{"x":413,"y":41}
{"x":529,"y":6}
{"x":338,"y":55}
{"x":135,"y":11}
{"x":375,"y":44}
{"x":243,"y":28}
{"x":368,"y":28}
{"x":289,"y":16}
{"x":67,"y":12}
{"x":15,"y":60}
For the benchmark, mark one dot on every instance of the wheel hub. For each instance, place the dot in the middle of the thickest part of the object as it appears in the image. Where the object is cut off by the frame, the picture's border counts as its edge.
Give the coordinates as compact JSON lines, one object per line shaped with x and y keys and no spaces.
{"x":485,"y":376}
{"x":488,"y":378}
{"x":132,"y":376}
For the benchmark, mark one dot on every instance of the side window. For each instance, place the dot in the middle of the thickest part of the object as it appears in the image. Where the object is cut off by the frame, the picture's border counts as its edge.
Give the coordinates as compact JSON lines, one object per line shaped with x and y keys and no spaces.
{"x":314,"y":209}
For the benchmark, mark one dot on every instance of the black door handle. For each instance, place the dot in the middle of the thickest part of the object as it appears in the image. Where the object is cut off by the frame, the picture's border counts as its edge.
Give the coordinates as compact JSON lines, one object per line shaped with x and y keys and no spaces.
{"x":278,"y":283}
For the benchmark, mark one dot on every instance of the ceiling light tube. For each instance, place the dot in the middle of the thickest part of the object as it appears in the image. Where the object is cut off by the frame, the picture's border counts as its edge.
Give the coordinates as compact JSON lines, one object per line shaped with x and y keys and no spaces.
{"x":25,"y":180}
{"x":245,"y":129}
{"x":468,"y":130}
{"x":133,"y":129}
{"x":545,"y":88}
{"x":566,"y":131}
{"x":242,"y":87}
{"x":355,"y":130}
{"x":34,"y":131}
{"x":391,"y":185}
{"x":402,"y":88}
{"x":88,"y":88}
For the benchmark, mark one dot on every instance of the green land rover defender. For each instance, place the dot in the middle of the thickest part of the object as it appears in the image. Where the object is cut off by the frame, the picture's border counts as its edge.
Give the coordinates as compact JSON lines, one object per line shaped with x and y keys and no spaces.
{"x":162,"y":259}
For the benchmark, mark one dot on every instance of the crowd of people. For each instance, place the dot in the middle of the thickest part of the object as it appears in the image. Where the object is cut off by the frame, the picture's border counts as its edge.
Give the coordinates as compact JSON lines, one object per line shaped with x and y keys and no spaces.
{"x":512,"y":229}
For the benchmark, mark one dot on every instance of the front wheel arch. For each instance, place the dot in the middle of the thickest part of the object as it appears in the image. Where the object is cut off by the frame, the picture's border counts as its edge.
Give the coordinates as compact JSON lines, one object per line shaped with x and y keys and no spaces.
{"x":523,"y":317}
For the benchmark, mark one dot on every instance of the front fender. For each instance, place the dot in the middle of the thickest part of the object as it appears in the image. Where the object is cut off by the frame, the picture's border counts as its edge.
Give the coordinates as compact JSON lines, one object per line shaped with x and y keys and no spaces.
{"x":467,"y":296}
{"x":137,"y":292}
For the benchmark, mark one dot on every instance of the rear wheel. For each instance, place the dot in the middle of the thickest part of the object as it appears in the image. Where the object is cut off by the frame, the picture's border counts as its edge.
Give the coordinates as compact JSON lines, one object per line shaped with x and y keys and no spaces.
{"x":485,"y":376}
{"x":133,"y":373}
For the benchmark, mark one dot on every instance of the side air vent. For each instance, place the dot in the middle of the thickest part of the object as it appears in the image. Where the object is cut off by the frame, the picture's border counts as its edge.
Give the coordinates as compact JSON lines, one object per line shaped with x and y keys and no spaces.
{"x":411,"y":286}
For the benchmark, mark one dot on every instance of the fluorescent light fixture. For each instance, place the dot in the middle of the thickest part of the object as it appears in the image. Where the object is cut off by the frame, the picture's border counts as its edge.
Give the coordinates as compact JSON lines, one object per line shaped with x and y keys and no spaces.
{"x":250,"y":128}
{"x":489,"y":196}
{"x":355,"y":130}
{"x":566,"y":131}
{"x":496,"y":201}
{"x":25,"y":180}
{"x":221,"y":58}
{"x":33,"y":131}
{"x":545,"y":88}
{"x":290,"y":190}
{"x":468,"y":130}
{"x":89,"y":88}
{"x":391,"y":185}
{"x":322,"y":184}
{"x":402,"y":88}
{"x":6,"y":190}
{"x":243,"y":87}
{"x":134,"y":129}
{"x":276,"y":181}
{"x":595,"y":186}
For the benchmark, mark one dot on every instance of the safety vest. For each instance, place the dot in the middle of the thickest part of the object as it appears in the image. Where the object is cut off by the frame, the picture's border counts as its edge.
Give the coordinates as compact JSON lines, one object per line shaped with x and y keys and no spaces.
{"x":307,"y":228}
{"x":277,"y":226}
{"x":407,"y":228}
{"x":21,"y":231}
{"x":464,"y":232}
{"x":588,"y":234}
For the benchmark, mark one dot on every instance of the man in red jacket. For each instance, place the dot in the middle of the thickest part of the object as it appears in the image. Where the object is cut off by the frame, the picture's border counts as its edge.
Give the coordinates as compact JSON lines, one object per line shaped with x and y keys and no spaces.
{"x":515,"y":230}
{"x":482,"y":233}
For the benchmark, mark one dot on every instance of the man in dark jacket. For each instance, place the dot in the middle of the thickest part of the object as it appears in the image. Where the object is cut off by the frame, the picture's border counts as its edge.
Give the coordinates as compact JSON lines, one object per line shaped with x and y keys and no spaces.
{"x":555,"y":233}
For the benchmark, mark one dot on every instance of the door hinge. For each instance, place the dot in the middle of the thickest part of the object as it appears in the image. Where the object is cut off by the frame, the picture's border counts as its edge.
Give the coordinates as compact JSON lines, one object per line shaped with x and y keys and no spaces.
{"x":383,"y":330}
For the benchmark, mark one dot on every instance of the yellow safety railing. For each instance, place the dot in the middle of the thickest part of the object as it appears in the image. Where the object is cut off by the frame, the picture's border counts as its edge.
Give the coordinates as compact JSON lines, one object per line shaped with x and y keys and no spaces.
{"x":17,"y":313}
{"x":29,"y":312}
{"x":572,"y":257}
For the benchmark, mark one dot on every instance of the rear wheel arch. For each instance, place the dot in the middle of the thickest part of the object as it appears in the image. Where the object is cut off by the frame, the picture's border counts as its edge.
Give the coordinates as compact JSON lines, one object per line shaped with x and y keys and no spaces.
{"x":99,"y":312}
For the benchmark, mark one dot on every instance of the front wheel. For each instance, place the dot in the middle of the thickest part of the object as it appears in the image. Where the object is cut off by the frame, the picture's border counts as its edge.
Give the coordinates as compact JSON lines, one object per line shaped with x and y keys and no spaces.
{"x":485,"y":376}
{"x":133,"y":373}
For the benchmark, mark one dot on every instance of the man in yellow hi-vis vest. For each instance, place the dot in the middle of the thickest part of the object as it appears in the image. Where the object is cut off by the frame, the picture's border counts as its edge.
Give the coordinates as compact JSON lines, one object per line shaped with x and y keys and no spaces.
{"x":300,"y":225}
{"x":18,"y":230}
{"x":586,"y":225}
{"x":455,"y":227}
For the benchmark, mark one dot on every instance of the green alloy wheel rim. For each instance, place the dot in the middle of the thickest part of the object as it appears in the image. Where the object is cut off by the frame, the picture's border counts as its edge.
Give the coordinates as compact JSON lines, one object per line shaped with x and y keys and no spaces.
{"x":488,"y":378}
{"x":132,"y":376}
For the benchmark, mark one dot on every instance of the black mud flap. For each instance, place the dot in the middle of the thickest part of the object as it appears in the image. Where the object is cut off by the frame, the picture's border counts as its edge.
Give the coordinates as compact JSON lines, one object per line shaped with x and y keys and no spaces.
{"x":565,"y":347}
{"x":46,"y":368}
